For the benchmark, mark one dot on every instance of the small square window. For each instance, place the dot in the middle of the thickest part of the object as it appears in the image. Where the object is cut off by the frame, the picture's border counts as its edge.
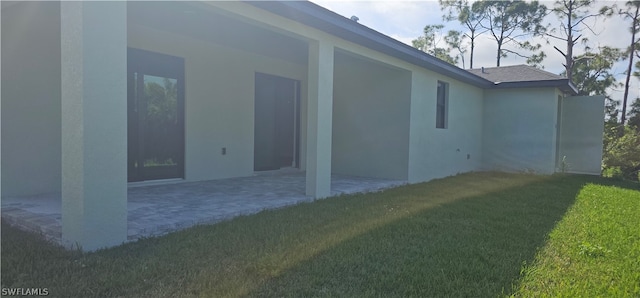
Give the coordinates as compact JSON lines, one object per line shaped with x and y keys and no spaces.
{"x":442,"y":102}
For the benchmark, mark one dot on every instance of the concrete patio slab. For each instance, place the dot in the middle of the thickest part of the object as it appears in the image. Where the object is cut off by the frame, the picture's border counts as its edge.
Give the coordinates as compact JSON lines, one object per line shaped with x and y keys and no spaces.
{"x":159,"y":209}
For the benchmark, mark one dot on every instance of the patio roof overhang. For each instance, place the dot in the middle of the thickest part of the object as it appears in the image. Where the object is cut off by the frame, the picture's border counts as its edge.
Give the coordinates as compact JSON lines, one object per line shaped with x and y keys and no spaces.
{"x":320,"y":18}
{"x":208,"y":23}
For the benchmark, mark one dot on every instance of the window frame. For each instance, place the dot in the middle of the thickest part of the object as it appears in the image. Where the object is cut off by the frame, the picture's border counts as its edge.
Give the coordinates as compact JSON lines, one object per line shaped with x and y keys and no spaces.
{"x":442,"y":105}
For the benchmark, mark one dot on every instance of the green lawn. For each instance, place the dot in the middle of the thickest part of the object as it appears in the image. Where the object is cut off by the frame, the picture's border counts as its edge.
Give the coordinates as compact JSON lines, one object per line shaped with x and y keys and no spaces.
{"x":594,"y":250}
{"x":474,"y":235}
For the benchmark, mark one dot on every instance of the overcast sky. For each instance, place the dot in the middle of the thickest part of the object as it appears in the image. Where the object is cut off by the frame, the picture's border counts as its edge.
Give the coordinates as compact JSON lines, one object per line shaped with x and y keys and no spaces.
{"x":404,"y":21}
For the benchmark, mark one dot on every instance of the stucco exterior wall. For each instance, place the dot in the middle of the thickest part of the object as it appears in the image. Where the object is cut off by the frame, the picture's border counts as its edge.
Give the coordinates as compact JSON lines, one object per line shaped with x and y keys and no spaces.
{"x":31,"y":119}
{"x":436,"y":152}
{"x":581,"y":134}
{"x":519,"y":130}
{"x":432,"y":154}
{"x":370,"y":118}
{"x":219,"y":100}
{"x":383,"y":113}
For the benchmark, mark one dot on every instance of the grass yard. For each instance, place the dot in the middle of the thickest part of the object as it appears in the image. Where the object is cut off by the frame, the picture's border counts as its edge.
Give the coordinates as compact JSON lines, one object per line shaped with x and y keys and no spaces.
{"x":594,"y":250}
{"x":474,"y":235}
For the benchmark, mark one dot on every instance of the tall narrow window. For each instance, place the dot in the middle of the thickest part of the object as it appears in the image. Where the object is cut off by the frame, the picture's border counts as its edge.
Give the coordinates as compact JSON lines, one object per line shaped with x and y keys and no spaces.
{"x":441,"y":105}
{"x":155,"y":116}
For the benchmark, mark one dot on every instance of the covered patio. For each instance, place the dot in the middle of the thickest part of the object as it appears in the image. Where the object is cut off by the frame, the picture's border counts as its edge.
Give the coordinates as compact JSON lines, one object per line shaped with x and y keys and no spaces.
{"x":222,"y":91}
{"x":154,"y":210}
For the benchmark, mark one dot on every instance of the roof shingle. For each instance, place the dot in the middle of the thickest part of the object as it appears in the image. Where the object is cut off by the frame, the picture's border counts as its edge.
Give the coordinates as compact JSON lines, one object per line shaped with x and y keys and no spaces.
{"x":515,"y":73}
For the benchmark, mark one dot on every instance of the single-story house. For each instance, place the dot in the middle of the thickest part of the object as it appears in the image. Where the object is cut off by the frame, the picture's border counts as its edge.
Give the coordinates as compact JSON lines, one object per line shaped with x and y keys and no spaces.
{"x":99,"y":96}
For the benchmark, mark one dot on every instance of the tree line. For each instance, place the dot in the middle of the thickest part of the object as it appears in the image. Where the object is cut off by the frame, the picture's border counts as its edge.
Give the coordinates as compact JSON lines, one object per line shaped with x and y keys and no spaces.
{"x":513,"y":24}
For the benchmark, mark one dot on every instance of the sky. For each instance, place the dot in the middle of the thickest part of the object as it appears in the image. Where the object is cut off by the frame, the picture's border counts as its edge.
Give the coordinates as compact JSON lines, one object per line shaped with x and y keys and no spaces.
{"x":405,"y":20}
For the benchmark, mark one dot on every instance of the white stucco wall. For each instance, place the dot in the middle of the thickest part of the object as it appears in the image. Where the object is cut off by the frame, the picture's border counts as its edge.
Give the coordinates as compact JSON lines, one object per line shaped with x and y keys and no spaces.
{"x":219,"y":99}
{"x":370,"y":118}
{"x":581,"y":134}
{"x":492,"y":129}
{"x":519,"y":130}
{"x":432,"y":153}
{"x":435,"y":152}
{"x":31,"y":146}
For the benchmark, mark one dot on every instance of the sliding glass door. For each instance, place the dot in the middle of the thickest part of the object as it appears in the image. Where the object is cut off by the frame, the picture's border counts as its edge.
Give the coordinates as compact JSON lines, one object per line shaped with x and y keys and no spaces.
{"x":155,"y":116}
{"x":276,"y":122}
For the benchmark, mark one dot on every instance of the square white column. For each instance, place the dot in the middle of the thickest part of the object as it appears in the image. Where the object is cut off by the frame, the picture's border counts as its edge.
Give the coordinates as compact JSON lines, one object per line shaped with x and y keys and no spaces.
{"x":94,"y":123}
{"x":417,"y":168}
{"x":319,"y":119}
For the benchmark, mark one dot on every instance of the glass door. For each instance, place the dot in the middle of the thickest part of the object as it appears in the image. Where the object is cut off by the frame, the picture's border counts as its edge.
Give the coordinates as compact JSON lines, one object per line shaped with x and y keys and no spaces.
{"x":155,"y":116}
{"x":276,"y":122}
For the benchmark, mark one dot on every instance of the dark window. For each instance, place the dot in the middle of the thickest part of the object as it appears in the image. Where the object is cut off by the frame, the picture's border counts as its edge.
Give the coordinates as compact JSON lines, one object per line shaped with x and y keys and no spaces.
{"x":441,"y":105}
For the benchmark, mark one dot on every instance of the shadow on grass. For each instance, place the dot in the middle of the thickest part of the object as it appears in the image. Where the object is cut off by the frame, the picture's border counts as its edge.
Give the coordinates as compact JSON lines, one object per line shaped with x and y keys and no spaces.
{"x":626,"y":184}
{"x":475,"y":247}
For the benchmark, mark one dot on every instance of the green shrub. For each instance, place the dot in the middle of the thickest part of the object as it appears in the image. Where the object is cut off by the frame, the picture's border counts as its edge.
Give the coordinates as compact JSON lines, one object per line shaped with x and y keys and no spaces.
{"x":621,"y":156}
{"x":613,"y":172}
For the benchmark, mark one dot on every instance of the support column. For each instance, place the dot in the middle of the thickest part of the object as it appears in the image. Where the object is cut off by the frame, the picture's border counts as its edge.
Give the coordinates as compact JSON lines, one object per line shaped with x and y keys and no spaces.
{"x":319,"y":119}
{"x":94,"y":123}
{"x":417,"y":167}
